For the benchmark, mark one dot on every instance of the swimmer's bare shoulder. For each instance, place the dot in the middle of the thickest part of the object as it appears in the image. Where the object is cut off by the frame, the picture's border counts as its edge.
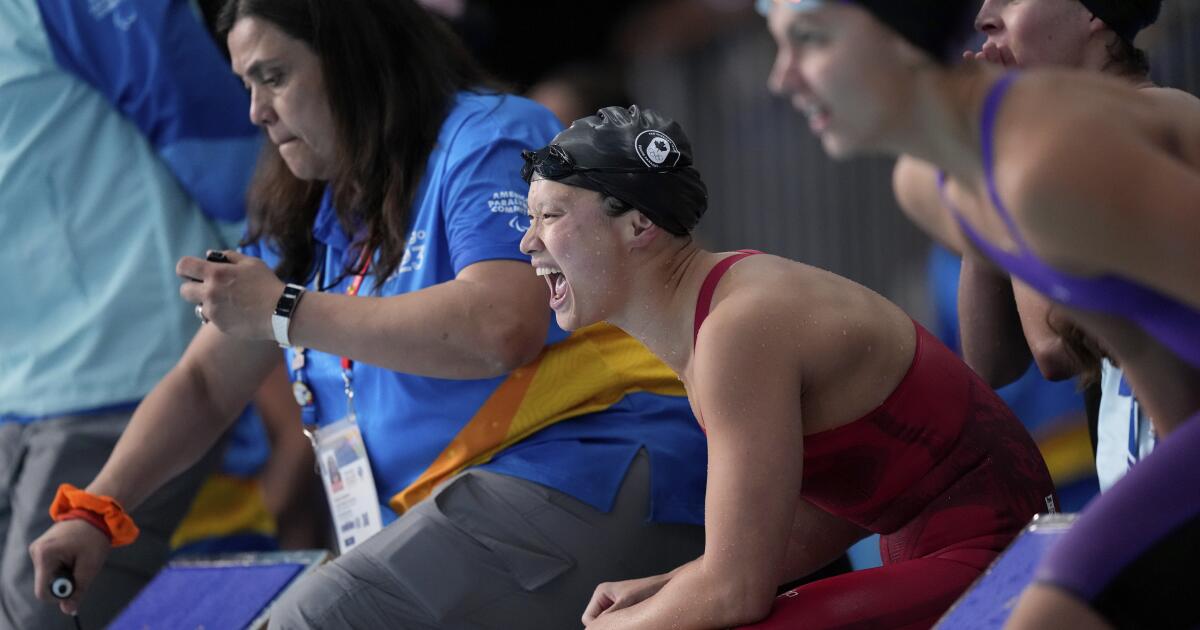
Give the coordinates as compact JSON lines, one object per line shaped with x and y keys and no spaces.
{"x":758,"y":299}
{"x":772,"y":301}
{"x":745,"y":371}
{"x":1080,"y":175}
{"x":757,"y":283}
{"x":1177,"y":114}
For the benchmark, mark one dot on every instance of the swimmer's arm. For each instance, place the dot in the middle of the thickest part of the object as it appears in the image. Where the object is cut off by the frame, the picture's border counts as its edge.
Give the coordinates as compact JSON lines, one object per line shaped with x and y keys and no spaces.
{"x":990,"y":320}
{"x":1099,"y":198}
{"x":817,"y":539}
{"x":1044,"y":607}
{"x":1049,"y":350}
{"x":746,"y":378}
{"x":993,"y":342}
{"x":1004,"y":323}
{"x":915,"y":185}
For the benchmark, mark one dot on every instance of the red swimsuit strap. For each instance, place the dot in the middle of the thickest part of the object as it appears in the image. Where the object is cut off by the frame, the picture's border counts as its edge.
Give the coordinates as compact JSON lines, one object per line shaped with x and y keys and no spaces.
{"x":704,"y":301}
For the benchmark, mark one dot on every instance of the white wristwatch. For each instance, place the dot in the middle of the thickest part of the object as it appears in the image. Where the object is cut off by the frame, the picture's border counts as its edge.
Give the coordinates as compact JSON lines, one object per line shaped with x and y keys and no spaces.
{"x":281,"y":319}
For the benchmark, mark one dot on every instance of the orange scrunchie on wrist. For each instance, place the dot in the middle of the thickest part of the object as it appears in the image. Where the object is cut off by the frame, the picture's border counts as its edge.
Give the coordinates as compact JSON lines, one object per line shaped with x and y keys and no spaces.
{"x":69,"y":501}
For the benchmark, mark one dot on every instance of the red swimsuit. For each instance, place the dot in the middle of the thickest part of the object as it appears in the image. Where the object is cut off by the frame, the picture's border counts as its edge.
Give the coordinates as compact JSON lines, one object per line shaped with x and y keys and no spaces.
{"x":942,"y":470}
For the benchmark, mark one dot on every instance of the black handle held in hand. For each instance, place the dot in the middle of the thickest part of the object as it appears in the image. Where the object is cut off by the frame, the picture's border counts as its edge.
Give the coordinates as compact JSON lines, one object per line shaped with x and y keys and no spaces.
{"x":63,"y":586}
{"x":212,"y":256}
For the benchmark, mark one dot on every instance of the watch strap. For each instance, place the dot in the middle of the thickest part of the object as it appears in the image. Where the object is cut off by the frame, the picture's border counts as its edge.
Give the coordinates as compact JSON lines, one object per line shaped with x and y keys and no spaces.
{"x":281,"y":319}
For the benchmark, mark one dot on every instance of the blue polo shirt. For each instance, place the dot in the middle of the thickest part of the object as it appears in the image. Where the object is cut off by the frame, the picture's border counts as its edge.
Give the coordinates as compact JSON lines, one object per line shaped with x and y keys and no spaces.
{"x":124,"y":145}
{"x":572,"y":420}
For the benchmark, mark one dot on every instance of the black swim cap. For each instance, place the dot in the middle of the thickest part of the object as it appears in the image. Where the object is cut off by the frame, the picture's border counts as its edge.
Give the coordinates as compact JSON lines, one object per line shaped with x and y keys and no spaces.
{"x":636,"y":155}
{"x":938,"y":27}
{"x":1125,"y":17}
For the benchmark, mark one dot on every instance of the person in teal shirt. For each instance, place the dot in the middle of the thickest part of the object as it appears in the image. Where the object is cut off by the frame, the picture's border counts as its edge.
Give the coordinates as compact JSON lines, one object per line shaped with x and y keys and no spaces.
{"x":123,"y":145}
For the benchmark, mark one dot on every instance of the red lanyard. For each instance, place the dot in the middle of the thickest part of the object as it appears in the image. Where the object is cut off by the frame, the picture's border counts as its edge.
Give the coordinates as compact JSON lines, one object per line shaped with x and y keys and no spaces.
{"x":352,"y":290}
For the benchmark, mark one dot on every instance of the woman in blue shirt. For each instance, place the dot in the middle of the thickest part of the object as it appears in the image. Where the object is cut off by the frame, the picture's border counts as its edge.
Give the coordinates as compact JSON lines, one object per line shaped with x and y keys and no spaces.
{"x":390,"y":203}
{"x":1052,"y":195}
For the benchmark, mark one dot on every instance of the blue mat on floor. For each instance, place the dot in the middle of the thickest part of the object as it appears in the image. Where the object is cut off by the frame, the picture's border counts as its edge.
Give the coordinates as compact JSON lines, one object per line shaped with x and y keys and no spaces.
{"x":206,"y":597}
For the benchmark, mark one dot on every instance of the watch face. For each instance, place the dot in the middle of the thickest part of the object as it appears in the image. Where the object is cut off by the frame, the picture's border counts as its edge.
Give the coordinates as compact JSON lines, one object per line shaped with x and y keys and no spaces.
{"x":287,"y":301}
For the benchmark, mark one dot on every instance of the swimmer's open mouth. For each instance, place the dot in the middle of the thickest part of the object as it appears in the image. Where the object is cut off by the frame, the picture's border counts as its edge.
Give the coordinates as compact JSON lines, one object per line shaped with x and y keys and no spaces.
{"x":557,"y":281}
{"x":817,"y":114}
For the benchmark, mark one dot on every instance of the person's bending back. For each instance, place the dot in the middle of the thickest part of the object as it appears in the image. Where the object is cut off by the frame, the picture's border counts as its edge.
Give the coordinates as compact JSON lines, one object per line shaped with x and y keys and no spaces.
{"x":1091,"y":203}
{"x":830,"y":414}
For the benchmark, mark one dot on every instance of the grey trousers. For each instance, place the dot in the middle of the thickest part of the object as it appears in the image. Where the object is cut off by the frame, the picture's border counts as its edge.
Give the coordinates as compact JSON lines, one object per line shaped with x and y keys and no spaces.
{"x":491,"y":551}
{"x":34,"y":460}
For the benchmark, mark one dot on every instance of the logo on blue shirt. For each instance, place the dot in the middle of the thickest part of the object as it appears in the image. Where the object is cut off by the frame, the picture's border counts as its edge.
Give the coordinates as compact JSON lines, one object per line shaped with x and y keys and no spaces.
{"x":514,"y":203}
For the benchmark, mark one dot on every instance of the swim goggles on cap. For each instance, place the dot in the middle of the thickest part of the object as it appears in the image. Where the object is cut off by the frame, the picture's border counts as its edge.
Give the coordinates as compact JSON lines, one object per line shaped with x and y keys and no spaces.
{"x":764,"y":6}
{"x":552,"y":162}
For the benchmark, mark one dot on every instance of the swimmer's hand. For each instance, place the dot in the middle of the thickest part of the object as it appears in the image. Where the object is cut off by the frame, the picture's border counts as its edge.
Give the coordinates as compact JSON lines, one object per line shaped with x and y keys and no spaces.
{"x":613,"y":596}
{"x":73,"y":547}
{"x":993,"y":53}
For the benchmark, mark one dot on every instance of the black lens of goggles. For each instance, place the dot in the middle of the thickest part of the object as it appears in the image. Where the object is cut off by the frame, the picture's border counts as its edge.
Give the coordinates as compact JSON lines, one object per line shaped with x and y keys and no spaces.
{"x":552,"y":162}
{"x":549,"y":162}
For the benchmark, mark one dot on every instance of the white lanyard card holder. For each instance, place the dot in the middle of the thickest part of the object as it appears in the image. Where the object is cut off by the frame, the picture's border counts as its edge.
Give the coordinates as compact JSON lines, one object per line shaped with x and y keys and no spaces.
{"x":349,"y":484}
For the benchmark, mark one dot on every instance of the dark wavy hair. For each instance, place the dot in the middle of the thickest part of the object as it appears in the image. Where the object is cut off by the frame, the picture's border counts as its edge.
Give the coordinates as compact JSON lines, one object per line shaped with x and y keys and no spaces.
{"x":1125,"y":18}
{"x":1126,"y":59}
{"x":391,"y":71}
{"x":1083,"y":351}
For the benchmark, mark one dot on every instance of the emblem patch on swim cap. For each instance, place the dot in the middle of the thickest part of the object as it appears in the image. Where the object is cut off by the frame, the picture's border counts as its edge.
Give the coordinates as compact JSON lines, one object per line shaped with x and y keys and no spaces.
{"x":656,"y":148}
